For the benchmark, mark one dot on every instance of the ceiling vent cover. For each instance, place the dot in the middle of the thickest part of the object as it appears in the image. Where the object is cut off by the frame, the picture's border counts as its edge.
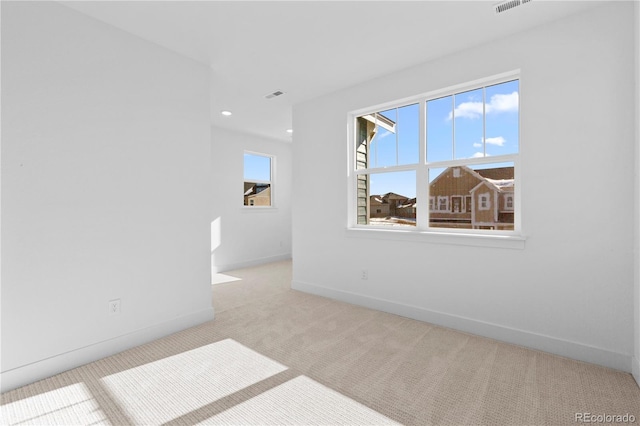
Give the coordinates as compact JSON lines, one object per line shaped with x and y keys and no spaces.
{"x":509,"y":4}
{"x":274,"y":94}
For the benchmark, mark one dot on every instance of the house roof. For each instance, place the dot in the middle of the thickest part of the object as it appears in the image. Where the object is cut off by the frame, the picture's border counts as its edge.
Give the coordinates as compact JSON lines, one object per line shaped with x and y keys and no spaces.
{"x":254,"y":188}
{"x":410,"y":202}
{"x":382,"y":121}
{"x":465,"y":168}
{"x":265,"y":191}
{"x":497,"y":173}
{"x":382,"y":199}
{"x":499,"y":178}
{"x":392,"y":194}
{"x":502,"y":183}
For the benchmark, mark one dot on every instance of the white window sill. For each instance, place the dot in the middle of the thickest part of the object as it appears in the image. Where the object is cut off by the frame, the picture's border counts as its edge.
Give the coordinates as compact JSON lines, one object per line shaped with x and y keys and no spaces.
{"x":262,"y":209}
{"x":516,"y":242}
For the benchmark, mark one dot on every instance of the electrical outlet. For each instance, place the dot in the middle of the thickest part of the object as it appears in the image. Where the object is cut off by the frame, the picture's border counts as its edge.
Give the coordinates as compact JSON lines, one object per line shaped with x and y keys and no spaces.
{"x":114,"y":307}
{"x":364,"y":274}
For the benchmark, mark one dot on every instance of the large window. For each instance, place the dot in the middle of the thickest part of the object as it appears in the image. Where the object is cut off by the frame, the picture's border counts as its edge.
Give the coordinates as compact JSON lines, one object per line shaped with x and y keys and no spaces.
{"x":443,"y":163}
{"x":258,"y":179}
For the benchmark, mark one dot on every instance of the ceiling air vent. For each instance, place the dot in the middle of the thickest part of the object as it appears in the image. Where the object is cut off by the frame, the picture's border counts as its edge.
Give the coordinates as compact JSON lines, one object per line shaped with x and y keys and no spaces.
{"x":274,"y":94}
{"x":509,"y":4}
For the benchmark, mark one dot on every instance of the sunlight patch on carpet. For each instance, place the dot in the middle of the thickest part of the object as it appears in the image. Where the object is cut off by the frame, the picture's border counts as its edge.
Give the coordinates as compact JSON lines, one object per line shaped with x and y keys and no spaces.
{"x":300,"y":401}
{"x":223,"y":278}
{"x":69,"y":405}
{"x":163,"y":390}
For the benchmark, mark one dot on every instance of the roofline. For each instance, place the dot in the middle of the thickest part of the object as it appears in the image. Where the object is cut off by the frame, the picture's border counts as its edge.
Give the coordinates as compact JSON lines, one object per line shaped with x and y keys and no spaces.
{"x":484,"y":181}
{"x":382,"y":121}
{"x":473,"y":172}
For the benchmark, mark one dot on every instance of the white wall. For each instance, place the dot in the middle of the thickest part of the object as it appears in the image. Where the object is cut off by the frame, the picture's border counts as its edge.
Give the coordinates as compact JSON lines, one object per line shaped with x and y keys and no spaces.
{"x":240,"y":236}
{"x":105,"y":191}
{"x":570,"y":290}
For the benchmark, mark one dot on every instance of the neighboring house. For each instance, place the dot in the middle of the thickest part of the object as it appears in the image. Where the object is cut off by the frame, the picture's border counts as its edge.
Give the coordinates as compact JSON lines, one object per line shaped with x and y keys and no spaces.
{"x":392,"y":205}
{"x":480,"y":199}
{"x":460,"y":197}
{"x":257,"y":194}
{"x":379,"y":206}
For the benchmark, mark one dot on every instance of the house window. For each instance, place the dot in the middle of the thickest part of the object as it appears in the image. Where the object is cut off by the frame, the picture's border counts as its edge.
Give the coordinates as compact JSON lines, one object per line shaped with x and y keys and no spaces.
{"x":456,"y":204}
{"x":462,"y":146}
{"x":508,"y":202}
{"x":258,"y":179}
{"x":484,"y":201}
{"x":443,"y":203}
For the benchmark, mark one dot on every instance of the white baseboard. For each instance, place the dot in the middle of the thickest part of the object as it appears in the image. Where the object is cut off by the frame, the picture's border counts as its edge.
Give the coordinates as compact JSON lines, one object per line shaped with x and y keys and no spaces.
{"x":48,"y":367}
{"x":635,"y":369}
{"x":524,"y":338}
{"x":249,"y":263}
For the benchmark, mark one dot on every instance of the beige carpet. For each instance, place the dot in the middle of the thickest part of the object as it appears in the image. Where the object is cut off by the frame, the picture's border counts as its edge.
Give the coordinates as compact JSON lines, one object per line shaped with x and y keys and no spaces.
{"x":277,"y":356}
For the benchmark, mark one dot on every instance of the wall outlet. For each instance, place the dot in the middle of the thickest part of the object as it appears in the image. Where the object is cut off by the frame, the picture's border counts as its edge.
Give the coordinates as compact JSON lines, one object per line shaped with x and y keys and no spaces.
{"x":114,"y":307}
{"x":364,"y":275}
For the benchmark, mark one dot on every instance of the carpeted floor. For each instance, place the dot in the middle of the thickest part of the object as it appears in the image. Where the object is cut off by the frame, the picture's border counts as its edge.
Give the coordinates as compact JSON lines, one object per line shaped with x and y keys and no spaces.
{"x":278,"y":356}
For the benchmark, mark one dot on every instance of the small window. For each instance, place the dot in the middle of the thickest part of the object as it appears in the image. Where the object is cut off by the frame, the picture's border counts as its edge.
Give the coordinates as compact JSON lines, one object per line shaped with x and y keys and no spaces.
{"x":508,"y":202}
{"x":258,"y":180}
{"x":443,"y":204}
{"x":456,"y":203}
{"x":484,"y":202}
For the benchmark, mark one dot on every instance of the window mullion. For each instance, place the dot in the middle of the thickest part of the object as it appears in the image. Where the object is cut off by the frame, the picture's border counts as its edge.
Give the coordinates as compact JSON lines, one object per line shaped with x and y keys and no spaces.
{"x":397,"y":136}
{"x":402,"y":168}
{"x":473,"y":161}
{"x":484,"y":122}
{"x":377,"y":144}
{"x":422,"y":174}
{"x":453,"y":127}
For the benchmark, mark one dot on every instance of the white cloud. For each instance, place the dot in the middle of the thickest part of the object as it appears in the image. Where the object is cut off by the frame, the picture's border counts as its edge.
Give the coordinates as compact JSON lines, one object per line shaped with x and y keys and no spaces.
{"x":499,"y":141}
{"x":383,"y":134}
{"x":478,"y":155}
{"x":468,"y":110}
{"x":497,"y":103}
{"x":503,"y":103}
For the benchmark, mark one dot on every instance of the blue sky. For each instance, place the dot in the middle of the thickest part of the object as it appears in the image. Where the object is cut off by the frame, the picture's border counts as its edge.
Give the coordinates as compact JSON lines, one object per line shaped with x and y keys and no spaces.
{"x":454,"y":131}
{"x":257,"y":167}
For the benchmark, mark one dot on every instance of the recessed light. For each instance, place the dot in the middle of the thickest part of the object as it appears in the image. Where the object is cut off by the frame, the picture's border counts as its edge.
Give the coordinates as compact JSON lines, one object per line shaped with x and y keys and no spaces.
{"x":226,"y":113}
{"x":289,"y":130}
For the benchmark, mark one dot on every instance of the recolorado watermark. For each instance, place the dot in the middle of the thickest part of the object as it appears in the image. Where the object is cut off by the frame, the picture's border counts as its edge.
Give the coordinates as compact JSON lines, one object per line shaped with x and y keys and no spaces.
{"x":604,"y":418}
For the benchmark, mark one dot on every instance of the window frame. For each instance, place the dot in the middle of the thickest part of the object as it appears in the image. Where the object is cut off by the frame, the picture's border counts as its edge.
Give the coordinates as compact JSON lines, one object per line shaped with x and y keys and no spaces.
{"x":271,"y":182}
{"x":423,"y":228}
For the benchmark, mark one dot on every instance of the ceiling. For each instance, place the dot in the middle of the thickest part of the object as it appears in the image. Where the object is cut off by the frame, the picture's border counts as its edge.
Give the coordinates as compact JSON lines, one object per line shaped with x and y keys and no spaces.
{"x":308,"y":49}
